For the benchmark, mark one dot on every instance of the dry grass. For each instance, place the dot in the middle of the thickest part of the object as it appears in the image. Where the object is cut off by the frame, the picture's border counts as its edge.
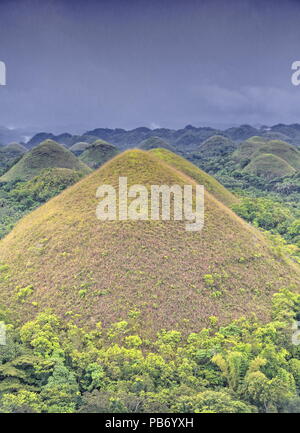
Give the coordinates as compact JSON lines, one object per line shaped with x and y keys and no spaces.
{"x":157,"y":268}
{"x":202,"y":178}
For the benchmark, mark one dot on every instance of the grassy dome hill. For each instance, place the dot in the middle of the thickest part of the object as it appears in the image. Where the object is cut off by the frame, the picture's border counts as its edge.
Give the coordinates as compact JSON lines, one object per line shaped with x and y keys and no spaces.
{"x":198,"y":175}
{"x":155,"y":142}
{"x":247,"y":148}
{"x":270,"y":135}
{"x":98,"y":153}
{"x":283,"y":150}
{"x":269,"y":166}
{"x":60,"y":256}
{"x":48,"y":154}
{"x":79,"y":148}
{"x":217,"y":145}
{"x":15,"y":148}
{"x":276,"y":157}
{"x":10,"y":154}
{"x":11,"y":151}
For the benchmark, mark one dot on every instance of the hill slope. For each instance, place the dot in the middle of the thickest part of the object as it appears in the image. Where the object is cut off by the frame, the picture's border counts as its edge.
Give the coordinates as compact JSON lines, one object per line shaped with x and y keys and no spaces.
{"x":98,"y":153}
{"x":202,"y":178}
{"x":61,"y":256}
{"x":254,"y":150}
{"x":269,"y":166}
{"x":10,"y":154}
{"x":48,"y":154}
{"x":79,"y":147}
{"x":217,"y":145}
{"x":155,"y":142}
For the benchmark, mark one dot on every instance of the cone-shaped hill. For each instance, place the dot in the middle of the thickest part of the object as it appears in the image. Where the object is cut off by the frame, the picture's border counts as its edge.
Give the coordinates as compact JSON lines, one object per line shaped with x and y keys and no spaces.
{"x":155,"y":142}
{"x":202,"y":178}
{"x":79,"y":148}
{"x":217,"y":145}
{"x":268,"y":158}
{"x":10,"y":154}
{"x":48,"y":154}
{"x":269,"y":166}
{"x":15,"y":149}
{"x":61,"y":256}
{"x":98,"y":153}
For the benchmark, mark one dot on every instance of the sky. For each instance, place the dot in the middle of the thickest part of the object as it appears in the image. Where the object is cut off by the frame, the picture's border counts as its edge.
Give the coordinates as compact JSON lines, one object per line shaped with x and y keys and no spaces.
{"x":76,"y":65}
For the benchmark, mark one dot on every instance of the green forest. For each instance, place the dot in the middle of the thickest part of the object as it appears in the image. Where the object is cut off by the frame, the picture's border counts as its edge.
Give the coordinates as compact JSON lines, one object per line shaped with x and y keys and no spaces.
{"x":55,"y":366}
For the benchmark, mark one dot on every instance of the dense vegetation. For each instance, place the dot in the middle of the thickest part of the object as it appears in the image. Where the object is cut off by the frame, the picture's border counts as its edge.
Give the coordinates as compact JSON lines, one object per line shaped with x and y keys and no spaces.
{"x":19,"y":198}
{"x":49,"y":365}
{"x":270,"y":204}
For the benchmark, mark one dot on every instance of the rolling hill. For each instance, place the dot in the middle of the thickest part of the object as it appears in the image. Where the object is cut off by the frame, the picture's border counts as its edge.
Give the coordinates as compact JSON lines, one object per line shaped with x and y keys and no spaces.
{"x":10,"y":154}
{"x":61,"y":257}
{"x":268,"y":158}
{"x":79,"y":148}
{"x":198,"y":175}
{"x":269,"y":166}
{"x":98,"y":153}
{"x":217,"y":145}
{"x":155,"y":142}
{"x":48,"y":154}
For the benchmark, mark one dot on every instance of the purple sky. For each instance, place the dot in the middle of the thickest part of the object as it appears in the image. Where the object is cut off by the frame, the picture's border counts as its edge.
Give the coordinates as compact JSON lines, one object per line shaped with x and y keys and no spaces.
{"x":82,"y":64}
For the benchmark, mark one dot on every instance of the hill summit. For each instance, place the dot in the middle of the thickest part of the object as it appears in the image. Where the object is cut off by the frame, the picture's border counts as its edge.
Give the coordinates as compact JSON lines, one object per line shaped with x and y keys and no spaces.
{"x":48,"y":154}
{"x":98,"y":153}
{"x":61,"y":256}
{"x":198,"y":175}
{"x":155,"y":142}
{"x":217,"y":145}
{"x":268,"y":158}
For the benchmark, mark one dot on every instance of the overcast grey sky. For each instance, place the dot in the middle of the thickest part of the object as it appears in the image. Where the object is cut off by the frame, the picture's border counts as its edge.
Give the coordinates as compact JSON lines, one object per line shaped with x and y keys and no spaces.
{"x":83,"y":64}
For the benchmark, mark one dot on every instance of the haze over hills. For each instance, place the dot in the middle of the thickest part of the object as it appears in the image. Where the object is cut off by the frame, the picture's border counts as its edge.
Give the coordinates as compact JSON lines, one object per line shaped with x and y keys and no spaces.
{"x":190,"y":136}
{"x":79,"y":147}
{"x":48,"y":154}
{"x":155,"y":142}
{"x":98,"y":153}
{"x":9,"y":154}
{"x":217,"y":145}
{"x":101,"y":270}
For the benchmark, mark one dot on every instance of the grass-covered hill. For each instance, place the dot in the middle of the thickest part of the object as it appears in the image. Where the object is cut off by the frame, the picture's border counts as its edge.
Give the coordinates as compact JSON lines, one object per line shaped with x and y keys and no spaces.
{"x":79,"y":148}
{"x":269,"y":166}
{"x":217,"y":145}
{"x":247,"y":148}
{"x":61,"y":256}
{"x":48,"y":154}
{"x":198,"y":175}
{"x":268,"y":158}
{"x":155,"y":142}
{"x":19,"y":198}
{"x":98,"y":153}
{"x":15,"y":149}
{"x":10,"y":154}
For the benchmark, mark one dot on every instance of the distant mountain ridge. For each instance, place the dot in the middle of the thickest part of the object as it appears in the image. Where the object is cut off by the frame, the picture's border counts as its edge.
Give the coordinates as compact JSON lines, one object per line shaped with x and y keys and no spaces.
{"x":188,"y":137}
